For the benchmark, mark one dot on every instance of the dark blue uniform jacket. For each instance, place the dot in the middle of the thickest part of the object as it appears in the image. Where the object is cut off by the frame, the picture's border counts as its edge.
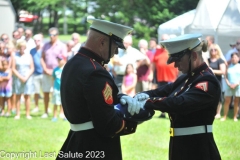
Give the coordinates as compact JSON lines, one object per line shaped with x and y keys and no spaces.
{"x":88,"y":93}
{"x":191,"y":100}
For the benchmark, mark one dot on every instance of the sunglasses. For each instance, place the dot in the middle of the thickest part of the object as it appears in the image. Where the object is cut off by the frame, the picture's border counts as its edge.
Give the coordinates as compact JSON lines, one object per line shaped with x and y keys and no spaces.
{"x":213,"y":50}
{"x":52,"y":35}
{"x":3,"y":39}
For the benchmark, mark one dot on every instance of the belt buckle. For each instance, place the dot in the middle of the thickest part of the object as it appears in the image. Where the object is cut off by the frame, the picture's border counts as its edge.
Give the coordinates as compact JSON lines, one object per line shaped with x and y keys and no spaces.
{"x":171,"y":132}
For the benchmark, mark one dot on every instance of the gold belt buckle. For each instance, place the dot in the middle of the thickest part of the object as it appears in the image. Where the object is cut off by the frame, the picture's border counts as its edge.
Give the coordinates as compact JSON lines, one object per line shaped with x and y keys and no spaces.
{"x":171,"y":132}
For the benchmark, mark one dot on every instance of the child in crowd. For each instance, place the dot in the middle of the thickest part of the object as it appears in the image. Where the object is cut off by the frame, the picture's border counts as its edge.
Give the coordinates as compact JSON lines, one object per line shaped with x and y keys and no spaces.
{"x":56,"y":99}
{"x":129,"y":81}
{"x":233,"y":90}
{"x":5,"y":87}
{"x":11,"y":50}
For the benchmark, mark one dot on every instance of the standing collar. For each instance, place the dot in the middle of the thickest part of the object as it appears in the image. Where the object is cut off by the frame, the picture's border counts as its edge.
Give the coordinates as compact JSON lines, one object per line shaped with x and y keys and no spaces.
{"x":92,"y":55}
{"x":199,"y":69}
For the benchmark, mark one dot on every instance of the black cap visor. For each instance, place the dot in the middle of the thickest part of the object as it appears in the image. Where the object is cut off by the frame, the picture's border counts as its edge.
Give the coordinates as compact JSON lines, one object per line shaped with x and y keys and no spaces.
{"x":118,"y":41}
{"x":177,"y":56}
{"x":120,"y":45}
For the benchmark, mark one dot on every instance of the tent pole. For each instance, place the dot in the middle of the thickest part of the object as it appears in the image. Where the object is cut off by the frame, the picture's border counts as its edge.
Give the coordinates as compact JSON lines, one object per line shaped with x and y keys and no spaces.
{"x":216,"y":36}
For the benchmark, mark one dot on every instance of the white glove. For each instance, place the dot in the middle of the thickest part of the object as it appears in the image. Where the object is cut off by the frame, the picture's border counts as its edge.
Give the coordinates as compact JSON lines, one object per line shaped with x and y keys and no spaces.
{"x":126,"y":100}
{"x":132,"y":104}
{"x":136,"y":106}
{"x":141,"y":96}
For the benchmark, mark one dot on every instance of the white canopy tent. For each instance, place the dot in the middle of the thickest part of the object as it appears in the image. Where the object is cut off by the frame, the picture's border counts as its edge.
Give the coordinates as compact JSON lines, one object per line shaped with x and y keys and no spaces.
{"x":220,"y":19}
{"x":7,"y":17}
{"x":178,"y":25}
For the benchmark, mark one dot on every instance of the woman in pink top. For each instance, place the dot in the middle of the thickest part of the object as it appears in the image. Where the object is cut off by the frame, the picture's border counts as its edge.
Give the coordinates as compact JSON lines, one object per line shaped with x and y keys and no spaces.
{"x":129,"y":81}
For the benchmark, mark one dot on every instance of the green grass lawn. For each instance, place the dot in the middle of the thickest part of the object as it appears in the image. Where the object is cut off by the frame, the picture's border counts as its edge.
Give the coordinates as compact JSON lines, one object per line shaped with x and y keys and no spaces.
{"x":150,"y":142}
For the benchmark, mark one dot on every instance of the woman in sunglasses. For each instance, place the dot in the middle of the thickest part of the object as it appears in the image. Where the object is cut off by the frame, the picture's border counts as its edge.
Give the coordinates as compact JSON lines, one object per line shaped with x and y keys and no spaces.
{"x":218,"y":66}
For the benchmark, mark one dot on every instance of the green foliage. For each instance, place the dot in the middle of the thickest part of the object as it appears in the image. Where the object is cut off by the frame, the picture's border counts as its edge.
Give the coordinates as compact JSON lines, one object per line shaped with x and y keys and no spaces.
{"x":144,"y":16}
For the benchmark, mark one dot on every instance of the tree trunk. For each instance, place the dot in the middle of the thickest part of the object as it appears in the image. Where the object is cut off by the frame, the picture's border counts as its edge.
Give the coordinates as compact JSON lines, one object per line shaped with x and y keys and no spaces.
{"x":36,"y":23}
{"x":75,"y":20}
{"x":55,"y":16}
{"x":50,"y":16}
{"x":65,"y":25}
{"x":40,"y":22}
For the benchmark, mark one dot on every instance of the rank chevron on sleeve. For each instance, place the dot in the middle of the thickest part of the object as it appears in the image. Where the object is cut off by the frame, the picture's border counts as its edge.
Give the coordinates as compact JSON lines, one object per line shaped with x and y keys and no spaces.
{"x":203,"y":86}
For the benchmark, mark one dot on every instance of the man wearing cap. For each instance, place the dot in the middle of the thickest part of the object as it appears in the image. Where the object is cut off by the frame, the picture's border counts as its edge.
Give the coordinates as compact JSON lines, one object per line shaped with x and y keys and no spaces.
{"x":191,"y":101}
{"x":232,"y":50}
{"x":88,"y":94}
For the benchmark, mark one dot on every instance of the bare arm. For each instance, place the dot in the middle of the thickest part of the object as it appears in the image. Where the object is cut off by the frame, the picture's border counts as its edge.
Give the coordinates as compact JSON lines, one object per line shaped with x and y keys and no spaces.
{"x":43,"y":62}
{"x":14,"y":70}
{"x":232,"y":86}
{"x":9,"y":75}
{"x":31,"y":68}
{"x":123,"y":86}
{"x":44,"y":66}
{"x":220,"y":71}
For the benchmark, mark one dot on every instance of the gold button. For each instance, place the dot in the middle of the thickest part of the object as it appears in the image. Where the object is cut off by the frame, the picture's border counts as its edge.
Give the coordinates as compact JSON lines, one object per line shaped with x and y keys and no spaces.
{"x":160,"y":99}
{"x":182,"y":88}
{"x":175,"y":94}
{"x":93,"y":59}
{"x":202,"y":70}
{"x":186,"y":80}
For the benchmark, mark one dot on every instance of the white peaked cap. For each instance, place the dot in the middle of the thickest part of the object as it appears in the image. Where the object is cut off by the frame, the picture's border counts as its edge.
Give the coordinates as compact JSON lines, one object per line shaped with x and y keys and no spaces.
{"x":180,"y":45}
{"x":114,"y":30}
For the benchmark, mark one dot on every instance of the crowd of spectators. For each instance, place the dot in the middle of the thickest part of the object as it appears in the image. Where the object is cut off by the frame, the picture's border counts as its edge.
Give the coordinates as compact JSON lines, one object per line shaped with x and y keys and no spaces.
{"x":150,"y":66}
{"x":31,"y":68}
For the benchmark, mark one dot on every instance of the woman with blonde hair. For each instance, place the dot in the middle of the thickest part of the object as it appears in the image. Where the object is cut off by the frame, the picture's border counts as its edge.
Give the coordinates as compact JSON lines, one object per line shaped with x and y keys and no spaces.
{"x":218,"y":66}
{"x":23,"y":69}
{"x":11,"y":49}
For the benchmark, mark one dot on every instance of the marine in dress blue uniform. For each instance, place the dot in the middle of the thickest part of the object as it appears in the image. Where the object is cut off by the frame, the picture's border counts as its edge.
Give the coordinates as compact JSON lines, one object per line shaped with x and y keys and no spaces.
{"x":88,"y":94}
{"x":191,"y":101}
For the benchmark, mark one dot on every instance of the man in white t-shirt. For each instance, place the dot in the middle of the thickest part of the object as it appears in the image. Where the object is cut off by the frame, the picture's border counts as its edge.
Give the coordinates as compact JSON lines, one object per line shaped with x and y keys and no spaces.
{"x":30,"y":42}
{"x":124,"y":57}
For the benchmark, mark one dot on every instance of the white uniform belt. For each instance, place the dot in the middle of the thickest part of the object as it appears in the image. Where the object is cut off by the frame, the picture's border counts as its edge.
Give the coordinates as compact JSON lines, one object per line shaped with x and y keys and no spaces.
{"x":81,"y":126}
{"x":190,"y":130}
